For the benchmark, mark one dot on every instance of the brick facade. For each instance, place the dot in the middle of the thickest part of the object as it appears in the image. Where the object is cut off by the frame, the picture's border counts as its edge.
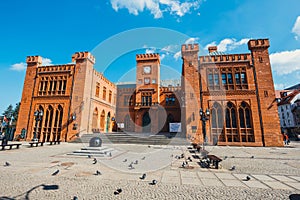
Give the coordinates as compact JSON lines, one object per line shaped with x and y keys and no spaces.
{"x":237,"y":89}
{"x":66,"y":95}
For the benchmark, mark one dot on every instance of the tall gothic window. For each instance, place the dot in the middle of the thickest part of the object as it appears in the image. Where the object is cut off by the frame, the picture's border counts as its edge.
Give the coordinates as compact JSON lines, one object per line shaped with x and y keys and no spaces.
{"x":245,"y":123}
{"x":217,"y":123}
{"x":231,"y":123}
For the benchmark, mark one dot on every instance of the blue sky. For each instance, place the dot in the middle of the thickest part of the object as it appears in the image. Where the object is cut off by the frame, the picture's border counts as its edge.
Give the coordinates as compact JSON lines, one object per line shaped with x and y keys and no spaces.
{"x":115,"y":30}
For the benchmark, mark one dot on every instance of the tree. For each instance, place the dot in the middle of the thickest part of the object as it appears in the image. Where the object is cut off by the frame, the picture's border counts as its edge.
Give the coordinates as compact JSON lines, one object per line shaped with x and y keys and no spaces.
{"x":8,"y":112}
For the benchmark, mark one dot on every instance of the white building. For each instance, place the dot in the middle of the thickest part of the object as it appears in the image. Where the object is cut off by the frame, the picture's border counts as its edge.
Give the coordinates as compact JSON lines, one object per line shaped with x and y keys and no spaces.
{"x":288,"y":105}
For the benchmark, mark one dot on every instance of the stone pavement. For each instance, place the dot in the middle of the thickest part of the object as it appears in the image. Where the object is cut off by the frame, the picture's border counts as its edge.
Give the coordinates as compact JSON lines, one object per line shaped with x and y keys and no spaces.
{"x":274,"y":173}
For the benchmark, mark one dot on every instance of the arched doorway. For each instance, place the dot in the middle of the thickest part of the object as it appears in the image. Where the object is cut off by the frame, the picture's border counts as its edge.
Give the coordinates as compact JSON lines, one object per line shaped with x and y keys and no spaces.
{"x":102,"y":120}
{"x":146,"y":123}
{"x":108,"y":122}
{"x":170,"y":119}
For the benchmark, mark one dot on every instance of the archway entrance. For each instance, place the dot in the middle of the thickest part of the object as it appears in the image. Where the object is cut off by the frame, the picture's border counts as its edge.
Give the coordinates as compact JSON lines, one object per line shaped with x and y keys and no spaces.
{"x":146,"y":122}
{"x":108,"y":122}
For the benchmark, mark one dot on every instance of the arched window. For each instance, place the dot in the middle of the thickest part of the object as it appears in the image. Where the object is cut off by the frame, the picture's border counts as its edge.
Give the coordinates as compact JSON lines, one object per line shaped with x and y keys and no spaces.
{"x":217,"y":116}
{"x":102,"y":120}
{"x":231,"y":123}
{"x":217,"y":123}
{"x":56,"y":133}
{"x":95,"y":120}
{"x":231,"y":116}
{"x":245,"y":119}
{"x":47,"y":128}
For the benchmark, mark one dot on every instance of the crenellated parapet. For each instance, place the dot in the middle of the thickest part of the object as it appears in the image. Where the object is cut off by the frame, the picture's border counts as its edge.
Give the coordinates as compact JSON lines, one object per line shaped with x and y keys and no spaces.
{"x":259,"y":43}
{"x":34,"y":60}
{"x":103,"y":78}
{"x":83,"y":55}
{"x":147,"y":56}
{"x":225,"y":58}
{"x":55,"y":69}
{"x":189,"y":47}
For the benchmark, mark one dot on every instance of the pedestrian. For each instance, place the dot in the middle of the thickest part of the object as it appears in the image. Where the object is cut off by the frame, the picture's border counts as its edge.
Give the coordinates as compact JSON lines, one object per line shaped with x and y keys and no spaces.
{"x":286,"y":139}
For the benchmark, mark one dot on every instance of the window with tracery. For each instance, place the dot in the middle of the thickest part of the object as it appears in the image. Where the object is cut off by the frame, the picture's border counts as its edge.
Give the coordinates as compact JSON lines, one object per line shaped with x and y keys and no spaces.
{"x":52,"y":85}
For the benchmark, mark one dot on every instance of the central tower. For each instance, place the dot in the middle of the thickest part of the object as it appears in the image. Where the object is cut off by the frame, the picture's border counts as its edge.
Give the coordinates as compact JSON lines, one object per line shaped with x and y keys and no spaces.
{"x":147,"y":92}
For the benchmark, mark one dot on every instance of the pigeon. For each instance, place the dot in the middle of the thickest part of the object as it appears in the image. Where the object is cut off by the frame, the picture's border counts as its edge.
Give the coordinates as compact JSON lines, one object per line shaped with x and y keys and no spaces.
{"x":95,"y":161}
{"x":143,"y":158}
{"x":7,"y":164}
{"x":55,"y":173}
{"x":125,"y":160}
{"x":89,"y":156}
{"x":154,"y":182}
{"x":136,"y":162}
{"x":143,"y":176}
{"x":182,"y":155}
{"x":130,"y":166}
{"x":75,"y":198}
{"x":109,"y":154}
{"x":232,"y":168}
{"x":98,"y":172}
{"x":189,"y":158}
{"x":252,"y":156}
{"x":184,"y":164}
{"x":248,"y":178}
{"x":225,"y":157}
{"x":232,"y":156}
{"x":149,"y":146}
{"x":118,"y":191}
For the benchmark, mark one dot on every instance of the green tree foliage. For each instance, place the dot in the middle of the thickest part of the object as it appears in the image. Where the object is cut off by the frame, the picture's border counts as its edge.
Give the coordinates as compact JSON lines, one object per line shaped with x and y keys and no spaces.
{"x":12,"y":112}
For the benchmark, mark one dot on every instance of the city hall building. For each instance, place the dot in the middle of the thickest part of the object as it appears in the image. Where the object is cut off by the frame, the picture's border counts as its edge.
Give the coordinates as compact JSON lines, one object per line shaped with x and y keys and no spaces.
{"x":234,"y":91}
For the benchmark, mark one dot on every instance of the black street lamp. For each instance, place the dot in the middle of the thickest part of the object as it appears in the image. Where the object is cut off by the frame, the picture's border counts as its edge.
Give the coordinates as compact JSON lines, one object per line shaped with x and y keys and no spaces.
{"x":204,"y":116}
{"x":38,"y":115}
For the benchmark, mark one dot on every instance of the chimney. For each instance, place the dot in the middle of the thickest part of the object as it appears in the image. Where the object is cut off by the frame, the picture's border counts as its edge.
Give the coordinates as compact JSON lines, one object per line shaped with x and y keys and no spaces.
{"x":212,"y":49}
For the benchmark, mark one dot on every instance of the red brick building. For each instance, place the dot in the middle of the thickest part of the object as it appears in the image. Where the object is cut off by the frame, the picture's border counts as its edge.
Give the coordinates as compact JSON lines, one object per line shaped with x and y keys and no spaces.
{"x":74,"y":99}
{"x":237,"y":89}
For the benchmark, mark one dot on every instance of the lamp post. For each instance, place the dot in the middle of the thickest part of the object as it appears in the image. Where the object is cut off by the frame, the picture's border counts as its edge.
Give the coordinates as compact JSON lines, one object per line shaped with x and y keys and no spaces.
{"x":204,"y":116}
{"x":38,"y":115}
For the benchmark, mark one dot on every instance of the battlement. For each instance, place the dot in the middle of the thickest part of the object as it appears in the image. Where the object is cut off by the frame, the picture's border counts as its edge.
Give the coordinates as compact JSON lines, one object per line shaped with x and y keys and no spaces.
{"x":189,"y":47}
{"x":34,"y":59}
{"x":225,"y":58}
{"x":83,"y":55}
{"x":212,"y":49}
{"x":259,"y":43}
{"x":148,"y":56}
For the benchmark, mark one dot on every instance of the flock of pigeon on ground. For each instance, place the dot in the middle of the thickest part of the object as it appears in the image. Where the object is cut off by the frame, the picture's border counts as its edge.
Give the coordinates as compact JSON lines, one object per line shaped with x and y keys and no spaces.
{"x":130,"y":166}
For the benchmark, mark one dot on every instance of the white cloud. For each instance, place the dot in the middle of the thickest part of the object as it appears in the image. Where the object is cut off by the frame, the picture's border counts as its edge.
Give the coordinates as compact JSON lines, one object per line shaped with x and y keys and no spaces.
{"x":22,"y":66}
{"x":228,"y":44}
{"x":296,"y":28}
{"x":162,"y":56}
{"x":18,"y":66}
{"x":177,"y":55}
{"x":156,"y":7}
{"x":46,"y":61}
{"x":170,"y":48}
{"x":285,"y":62}
{"x":191,"y":41}
{"x":150,"y":50}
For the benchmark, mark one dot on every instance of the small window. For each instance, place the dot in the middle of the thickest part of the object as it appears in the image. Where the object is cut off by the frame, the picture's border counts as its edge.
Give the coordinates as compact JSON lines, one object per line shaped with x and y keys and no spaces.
{"x":266,"y":93}
{"x":153,"y":81}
